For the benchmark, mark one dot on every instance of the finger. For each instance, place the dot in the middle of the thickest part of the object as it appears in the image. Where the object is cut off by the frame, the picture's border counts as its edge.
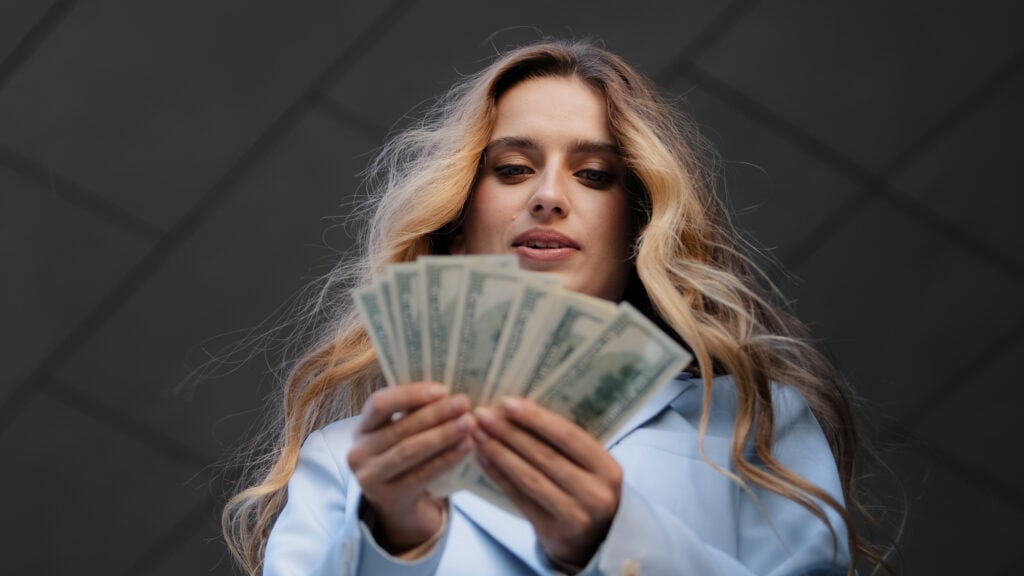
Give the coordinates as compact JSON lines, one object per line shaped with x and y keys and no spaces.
{"x":531,"y":510}
{"x":564,"y":435}
{"x":425,"y":418}
{"x":538,"y":453}
{"x":384,"y":403}
{"x":419,"y":478}
{"x":415,"y":450}
{"x":532,"y":485}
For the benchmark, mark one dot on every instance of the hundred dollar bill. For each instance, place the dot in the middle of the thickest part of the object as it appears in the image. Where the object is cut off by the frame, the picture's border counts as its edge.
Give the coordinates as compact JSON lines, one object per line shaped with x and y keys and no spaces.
{"x":442,"y":282}
{"x":370,"y":306}
{"x":599,"y":387}
{"x":384,"y":289}
{"x":572,"y":320}
{"x":488,"y":295}
{"x":407,"y":312}
{"x":569,"y":321}
{"x":525,"y":323}
{"x":603,"y":384}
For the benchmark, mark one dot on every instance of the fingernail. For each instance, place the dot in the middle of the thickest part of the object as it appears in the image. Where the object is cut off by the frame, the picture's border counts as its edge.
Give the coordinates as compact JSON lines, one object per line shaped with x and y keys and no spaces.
{"x":436,"y":390}
{"x":465,"y":446}
{"x":512,"y":405}
{"x":458,"y":403}
{"x":485,"y":415}
{"x":480,"y":436}
{"x":462,"y":424}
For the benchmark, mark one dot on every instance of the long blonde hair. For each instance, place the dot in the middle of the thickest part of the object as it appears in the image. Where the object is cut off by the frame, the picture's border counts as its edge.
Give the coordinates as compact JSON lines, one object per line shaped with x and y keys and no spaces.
{"x":691,"y":275}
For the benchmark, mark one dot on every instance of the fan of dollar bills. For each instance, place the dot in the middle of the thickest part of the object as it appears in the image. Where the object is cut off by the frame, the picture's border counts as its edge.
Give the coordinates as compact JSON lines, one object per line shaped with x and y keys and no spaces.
{"x":487,"y":329}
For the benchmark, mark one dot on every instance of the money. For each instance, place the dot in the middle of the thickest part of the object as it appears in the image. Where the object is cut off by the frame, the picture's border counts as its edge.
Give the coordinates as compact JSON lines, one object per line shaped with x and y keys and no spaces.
{"x":442,"y":284}
{"x":601,"y":385}
{"x":405,"y":282}
{"x":525,"y":321}
{"x":378,"y":324}
{"x":383,"y":289}
{"x":573,"y":320}
{"x":442,"y":278}
{"x":487,"y":329}
{"x":487,"y":297}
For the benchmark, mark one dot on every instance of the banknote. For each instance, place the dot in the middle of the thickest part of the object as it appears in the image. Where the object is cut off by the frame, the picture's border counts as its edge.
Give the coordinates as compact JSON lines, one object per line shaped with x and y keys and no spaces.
{"x":378,"y":324}
{"x":487,"y":296}
{"x":572,"y":320}
{"x":530,"y":306}
{"x":525,"y":321}
{"x":442,"y":282}
{"x":383,"y":286}
{"x":405,"y":283}
{"x":601,"y":385}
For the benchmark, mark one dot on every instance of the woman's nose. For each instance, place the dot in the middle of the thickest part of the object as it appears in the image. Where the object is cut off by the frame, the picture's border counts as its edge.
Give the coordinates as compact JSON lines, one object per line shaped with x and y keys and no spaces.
{"x":549,"y":199}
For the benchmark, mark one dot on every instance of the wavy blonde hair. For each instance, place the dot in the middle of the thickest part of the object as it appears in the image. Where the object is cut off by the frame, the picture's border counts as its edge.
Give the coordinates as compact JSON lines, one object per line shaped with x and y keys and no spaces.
{"x":691,"y":275}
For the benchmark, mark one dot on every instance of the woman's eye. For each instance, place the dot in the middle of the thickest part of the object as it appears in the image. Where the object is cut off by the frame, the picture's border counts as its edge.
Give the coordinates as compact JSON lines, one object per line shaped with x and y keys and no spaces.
{"x":596,"y":178}
{"x":511,"y":171}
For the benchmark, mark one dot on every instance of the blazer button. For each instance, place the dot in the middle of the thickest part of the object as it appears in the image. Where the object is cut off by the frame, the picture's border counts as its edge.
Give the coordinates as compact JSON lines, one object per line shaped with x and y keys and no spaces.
{"x":630,"y":568}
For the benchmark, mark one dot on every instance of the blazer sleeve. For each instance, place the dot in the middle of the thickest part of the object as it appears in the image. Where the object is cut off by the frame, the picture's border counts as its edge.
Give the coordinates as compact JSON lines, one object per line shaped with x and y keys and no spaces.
{"x":318,"y":532}
{"x":770,"y":535}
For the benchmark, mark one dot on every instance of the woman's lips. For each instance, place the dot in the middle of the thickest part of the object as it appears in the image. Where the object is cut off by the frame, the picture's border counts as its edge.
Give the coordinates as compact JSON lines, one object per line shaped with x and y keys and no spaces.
{"x":544,"y":245}
{"x":544,"y":254}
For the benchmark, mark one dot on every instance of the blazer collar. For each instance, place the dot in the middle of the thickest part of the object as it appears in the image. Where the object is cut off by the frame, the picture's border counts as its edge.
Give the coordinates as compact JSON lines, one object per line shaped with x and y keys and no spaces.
{"x":514,"y":532}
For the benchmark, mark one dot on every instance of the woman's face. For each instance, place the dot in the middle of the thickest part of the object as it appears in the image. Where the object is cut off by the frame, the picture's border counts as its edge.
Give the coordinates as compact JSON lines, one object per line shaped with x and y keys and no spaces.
{"x":551,"y":188}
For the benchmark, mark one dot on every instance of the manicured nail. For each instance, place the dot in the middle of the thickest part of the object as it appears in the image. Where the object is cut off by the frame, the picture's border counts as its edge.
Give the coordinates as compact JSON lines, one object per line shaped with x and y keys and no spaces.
{"x":458,"y":403}
{"x":511,"y":404}
{"x":485,"y":415}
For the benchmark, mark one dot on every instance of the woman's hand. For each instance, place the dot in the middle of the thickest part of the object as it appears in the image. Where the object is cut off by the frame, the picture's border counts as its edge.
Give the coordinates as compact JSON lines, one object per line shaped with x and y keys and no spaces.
{"x":396,"y":458}
{"x":565,"y":483}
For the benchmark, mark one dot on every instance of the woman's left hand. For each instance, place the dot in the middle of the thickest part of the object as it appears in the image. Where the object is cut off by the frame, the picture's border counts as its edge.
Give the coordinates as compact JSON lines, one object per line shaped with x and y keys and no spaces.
{"x":562,"y":480}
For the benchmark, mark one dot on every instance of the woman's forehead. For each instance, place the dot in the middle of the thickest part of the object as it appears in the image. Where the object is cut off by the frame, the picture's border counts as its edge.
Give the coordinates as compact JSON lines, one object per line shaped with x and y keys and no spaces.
{"x":562,"y":110}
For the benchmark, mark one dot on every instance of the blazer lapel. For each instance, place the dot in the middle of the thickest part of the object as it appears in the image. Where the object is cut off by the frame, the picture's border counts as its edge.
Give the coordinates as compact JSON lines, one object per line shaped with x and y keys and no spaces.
{"x":514,"y":532}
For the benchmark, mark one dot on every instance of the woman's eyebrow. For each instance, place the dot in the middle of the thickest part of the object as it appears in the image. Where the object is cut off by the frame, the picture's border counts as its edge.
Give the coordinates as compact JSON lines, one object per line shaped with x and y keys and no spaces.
{"x":595,"y":147}
{"x":526,"y":143}
{"x":513,"y":142}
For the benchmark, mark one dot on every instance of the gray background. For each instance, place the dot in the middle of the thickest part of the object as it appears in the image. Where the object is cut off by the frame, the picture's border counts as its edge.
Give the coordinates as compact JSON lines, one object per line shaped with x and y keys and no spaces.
{"x":172,"y":172}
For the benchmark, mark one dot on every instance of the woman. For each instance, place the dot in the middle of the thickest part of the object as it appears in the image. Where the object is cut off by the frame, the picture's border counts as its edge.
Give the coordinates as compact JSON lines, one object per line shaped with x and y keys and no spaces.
{"x":564,"y":155}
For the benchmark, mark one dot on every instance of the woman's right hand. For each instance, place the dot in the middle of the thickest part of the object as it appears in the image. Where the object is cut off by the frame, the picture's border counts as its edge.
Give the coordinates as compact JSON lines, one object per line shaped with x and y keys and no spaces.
{"x":395,"y":459}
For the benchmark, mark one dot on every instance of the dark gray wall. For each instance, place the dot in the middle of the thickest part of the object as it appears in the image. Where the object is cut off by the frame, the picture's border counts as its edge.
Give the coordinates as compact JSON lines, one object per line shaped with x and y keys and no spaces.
{"x":166,"y":169}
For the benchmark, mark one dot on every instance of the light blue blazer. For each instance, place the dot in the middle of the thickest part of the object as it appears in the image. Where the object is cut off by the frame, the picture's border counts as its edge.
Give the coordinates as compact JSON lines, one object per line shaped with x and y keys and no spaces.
{"x":678,"y":514}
